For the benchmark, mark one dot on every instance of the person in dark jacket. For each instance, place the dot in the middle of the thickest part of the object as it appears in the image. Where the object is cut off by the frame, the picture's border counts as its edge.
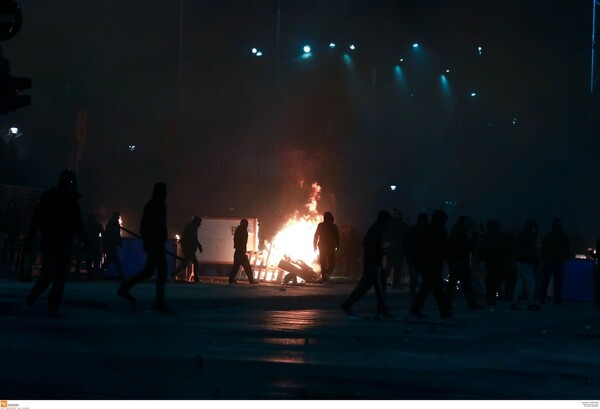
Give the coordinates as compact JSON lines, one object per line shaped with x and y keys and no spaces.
{"x":240,"y":258}
{"x":112,"y":242}
{"x":459,"y":263}
{"x":494,"y":253}
{"x":433,"y":251}
{"x":153,"y":230}
{"x":556,"y":250}
{"x":57,"y":216}
{"x":373,"y":252}
{"x":413,"y":236}
{"x":527,"y":260}
{"x":395,"y":235}
{"x":189,"y":244}
{"x":327,"y":240}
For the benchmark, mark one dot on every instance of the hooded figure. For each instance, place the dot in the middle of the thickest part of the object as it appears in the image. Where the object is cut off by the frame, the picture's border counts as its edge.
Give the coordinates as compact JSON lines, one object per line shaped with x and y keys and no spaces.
{"x":372,"y":267}
{"x":57,"y":216}
{"x":327,"y":240}
{"x":153,"y":230}
{"x":240,"y":258}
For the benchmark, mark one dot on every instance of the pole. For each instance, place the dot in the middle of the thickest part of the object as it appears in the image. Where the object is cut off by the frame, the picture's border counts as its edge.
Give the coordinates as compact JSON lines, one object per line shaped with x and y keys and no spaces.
{"x":139,"y":237}
{"x":593,"y":44}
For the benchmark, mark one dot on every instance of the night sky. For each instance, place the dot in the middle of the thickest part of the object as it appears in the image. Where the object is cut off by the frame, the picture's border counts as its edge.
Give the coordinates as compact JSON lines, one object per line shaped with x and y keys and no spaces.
{"x":232,"y":133}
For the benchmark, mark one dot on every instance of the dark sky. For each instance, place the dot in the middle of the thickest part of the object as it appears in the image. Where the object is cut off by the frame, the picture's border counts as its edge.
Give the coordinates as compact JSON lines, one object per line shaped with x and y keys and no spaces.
{"x":232,"y":133}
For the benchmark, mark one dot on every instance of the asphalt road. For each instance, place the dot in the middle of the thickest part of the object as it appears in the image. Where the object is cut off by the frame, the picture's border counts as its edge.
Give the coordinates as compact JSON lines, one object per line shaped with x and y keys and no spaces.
{"x":262,"y":342}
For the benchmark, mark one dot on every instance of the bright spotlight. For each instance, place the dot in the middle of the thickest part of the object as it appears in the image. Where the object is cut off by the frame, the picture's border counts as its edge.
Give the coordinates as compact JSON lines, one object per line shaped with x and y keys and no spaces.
{"x":416,"y":45}
{"x":352,"y":47}
{"x":259,"y":54}
{"x":479,"y":49}
{"x":393,"y":187}
{"x":14,"y":130}
{"x":306,"y":49}
{"x":331,"y":45}
{"x":447,"y":71}
{"x":131,"y":148}
{"x":514,"y":121}
{"x":254,"y":51}
{"x":401,"y":59}
{"x":473,"y":94}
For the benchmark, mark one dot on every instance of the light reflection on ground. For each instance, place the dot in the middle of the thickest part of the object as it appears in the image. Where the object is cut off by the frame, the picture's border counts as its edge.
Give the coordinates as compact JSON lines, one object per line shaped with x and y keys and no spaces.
{"x":297,"y":320}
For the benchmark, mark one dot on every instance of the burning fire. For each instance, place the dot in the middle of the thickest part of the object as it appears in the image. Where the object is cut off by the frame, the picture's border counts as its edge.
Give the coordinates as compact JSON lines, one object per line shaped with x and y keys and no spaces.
{"x":295,"y":239}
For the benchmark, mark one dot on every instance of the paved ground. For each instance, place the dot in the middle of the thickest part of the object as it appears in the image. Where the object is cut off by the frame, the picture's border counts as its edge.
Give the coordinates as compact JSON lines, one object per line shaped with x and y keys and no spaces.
{"x":258,"y":342}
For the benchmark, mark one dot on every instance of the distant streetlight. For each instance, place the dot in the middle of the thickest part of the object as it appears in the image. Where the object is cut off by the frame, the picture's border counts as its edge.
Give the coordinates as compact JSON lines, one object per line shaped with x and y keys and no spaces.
{"x":415,"y":45}
{"x":306,"y":49}
{"x":331,"y":45}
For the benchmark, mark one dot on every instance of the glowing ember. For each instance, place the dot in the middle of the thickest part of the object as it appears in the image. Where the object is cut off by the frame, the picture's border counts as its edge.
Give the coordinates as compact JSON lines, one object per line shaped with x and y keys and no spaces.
{"x":295,"y":239}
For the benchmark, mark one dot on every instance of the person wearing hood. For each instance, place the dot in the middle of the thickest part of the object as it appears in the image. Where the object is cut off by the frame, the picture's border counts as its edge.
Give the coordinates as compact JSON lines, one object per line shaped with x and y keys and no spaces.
{"x":527,"y":260}
{"x":436,"y":246}
{"x":240,"y":256}
{"x":153,"y":230}
{"x":57,"y":216}
{"x":372,"y":267}
{"x":556,"y":250}
{"x":327,"y":240}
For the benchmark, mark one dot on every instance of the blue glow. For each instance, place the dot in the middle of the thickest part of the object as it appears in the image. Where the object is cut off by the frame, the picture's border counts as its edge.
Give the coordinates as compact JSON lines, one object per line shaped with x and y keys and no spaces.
{"x":416,"y":45}
{"x":254,"y":51}
{"x":347,"y":59}
{"x":444,"y":83}
{"x":352,"y":47}
{"x":398,"y":70}
{"x":331,"y":45}
{"x":306,"y":49}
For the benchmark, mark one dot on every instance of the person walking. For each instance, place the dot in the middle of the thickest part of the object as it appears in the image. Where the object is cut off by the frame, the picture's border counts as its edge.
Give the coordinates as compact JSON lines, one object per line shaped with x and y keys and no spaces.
{"x":153,"y":231}
{"x":494,"y":252}
{"x":556,"y":250}
{"x":373,"y":252}
{"x":112,"y":243}
{"x":435,"y":244}
{"x":395,"y":235}
{"x":459,"y":263}
{"x":413,"y":236}
{"x":327,"y":240}
{"x":56,"y":216}
{"x":527,"y":260}
{"x":189,"y":244}
{"x":240,"y":258}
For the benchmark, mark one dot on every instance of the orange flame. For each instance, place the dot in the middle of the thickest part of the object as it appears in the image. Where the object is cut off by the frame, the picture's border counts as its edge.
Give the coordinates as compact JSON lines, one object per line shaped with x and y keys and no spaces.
{"x":295,"y":239}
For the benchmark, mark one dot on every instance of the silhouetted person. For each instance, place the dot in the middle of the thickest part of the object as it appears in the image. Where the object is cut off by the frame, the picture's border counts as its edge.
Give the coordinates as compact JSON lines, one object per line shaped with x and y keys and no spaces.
{"x":527,"y":261}
{"x":556,"y":250}
{"x":372,"y":267}
{"x":93,"y":257}
{"x":395,"y":235}
{"x":189,"y":244}
{"x":112,"y":243}
{"x":57,"y":216}
{"x":494,"y":253}
{"x":459,"y":263}
{"x":413,"y":258}
{"x":327,"y":239}
{"x":11,"y":222}
{"x":240,"y":258}
{"x":435,"y":244}
{"x":153,"y":230}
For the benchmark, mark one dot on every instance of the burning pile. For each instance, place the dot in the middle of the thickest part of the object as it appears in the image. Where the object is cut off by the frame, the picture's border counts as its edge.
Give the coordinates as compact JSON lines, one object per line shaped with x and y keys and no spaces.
{"x":292,"y":247}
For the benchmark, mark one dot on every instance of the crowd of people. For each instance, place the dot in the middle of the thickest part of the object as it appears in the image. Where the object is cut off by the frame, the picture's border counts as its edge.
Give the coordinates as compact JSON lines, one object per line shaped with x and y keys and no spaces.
{"x":484,"y":262}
